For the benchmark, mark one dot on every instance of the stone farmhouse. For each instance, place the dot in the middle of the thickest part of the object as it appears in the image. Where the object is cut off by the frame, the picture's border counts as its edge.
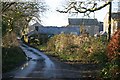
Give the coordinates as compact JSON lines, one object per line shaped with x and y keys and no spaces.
{"x":91,"y":26}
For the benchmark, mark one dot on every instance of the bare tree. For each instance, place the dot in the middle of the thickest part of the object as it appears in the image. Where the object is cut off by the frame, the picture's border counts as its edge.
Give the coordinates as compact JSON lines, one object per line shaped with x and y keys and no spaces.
{"x":86,"y":7}
{"x":17,"y":15}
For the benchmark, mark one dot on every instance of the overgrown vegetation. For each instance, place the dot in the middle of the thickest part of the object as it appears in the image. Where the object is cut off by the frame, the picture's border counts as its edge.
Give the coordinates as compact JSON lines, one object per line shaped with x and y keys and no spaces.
{"x":80,"y":48}
{"x":12,"y":55}
{"x":112,"y":68}
{"x":77,"y":48}
{"x":38,"y":39}
{"x":11,"y":58}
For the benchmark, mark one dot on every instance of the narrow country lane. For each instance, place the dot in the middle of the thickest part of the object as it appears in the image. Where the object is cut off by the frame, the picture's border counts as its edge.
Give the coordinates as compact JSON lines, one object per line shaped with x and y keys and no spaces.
{"x":40,"y":66}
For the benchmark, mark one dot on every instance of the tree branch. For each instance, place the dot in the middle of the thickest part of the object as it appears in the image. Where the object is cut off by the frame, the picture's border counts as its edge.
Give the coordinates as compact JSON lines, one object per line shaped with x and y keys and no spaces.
{"x":6,"y":6}
{"x":84,"y":9}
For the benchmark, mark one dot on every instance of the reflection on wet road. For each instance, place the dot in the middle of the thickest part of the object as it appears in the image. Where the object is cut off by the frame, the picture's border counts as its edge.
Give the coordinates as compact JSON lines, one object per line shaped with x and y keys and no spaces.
{"x":35,"y":58}
{"x":41,"y":66}
{"x":48,"y":64}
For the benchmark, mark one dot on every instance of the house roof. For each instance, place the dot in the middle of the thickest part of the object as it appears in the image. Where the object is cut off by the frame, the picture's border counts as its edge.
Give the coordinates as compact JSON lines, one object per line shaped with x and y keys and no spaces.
{"x":82,"y":21}
{"x":58,"y":30}
{"x":37,"y":24}
{"x":116,"y":16}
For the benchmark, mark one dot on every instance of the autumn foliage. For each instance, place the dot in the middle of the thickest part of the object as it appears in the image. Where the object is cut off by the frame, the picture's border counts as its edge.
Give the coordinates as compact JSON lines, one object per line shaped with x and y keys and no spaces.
{"x":113,"y":48}
{"x":77,"y":48}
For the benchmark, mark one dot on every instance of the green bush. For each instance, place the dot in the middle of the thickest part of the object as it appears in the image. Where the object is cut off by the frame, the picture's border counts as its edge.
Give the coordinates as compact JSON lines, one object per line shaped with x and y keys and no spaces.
{"x":11,"y":58}
{"x":73,"y":47}
{"x":99,"y":57}
{"x":38,"y":39}
{"x":111,"y":70}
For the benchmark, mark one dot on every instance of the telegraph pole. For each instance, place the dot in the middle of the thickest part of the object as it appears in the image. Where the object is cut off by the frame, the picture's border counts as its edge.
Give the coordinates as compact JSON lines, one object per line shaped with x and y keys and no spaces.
{"x":109,"y":21}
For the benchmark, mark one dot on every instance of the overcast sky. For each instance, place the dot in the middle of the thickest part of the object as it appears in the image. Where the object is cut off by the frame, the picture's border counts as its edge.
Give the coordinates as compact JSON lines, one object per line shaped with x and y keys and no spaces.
{"x":54,"y":18}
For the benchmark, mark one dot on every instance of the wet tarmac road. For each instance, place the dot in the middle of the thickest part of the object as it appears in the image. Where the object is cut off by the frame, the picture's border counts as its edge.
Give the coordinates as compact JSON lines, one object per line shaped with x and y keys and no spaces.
{"x":40,"y":66}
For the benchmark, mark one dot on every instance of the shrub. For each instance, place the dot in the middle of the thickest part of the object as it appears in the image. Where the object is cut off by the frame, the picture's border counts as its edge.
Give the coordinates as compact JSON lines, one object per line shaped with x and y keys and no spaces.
{"x":9,"y":40}
{"x":73,"y":47}
{"x":11,"y":58}
{"x":112,"y":68}
{"x":38,"y":39}
{"x":113,"y":48}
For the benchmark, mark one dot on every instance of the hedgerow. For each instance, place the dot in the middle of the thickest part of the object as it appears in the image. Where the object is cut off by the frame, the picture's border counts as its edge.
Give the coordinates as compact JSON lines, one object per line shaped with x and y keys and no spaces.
{"x":81,"y":48}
